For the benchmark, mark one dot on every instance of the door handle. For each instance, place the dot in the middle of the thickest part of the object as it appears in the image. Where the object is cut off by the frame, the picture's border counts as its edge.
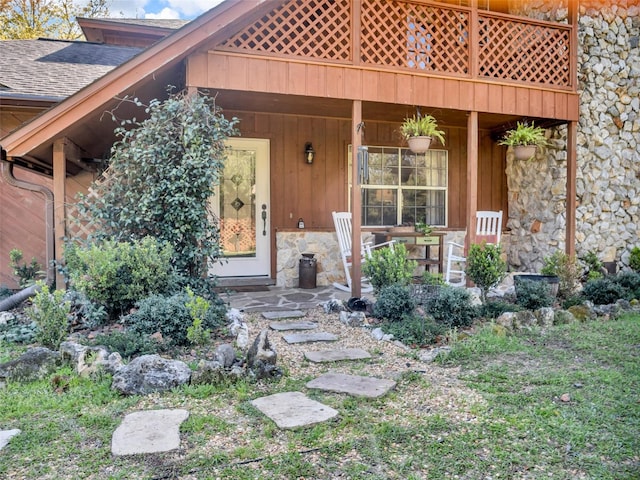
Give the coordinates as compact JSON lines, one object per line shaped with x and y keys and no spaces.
{"x":264,"y":219}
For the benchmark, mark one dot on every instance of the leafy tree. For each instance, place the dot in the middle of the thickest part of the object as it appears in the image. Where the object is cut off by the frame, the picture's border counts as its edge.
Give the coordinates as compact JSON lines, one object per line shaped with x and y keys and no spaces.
{"x":485,"y":267}
{"x":161,"y":176}
{"x":25,"y":19}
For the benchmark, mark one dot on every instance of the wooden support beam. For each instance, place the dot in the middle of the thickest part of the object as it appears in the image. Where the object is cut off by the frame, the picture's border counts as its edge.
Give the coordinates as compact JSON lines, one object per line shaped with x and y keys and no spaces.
{"x":572,"y":161}
{"x":59,"y":193}
{"x":356,"y":200}
{"x":472,"y":178}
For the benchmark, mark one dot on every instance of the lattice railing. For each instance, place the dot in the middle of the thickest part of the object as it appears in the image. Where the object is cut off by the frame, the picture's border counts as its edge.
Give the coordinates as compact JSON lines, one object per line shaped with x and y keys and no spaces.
{"x":303,"y":28}
{"x":415,"y":36}
{"x":524,"y":51}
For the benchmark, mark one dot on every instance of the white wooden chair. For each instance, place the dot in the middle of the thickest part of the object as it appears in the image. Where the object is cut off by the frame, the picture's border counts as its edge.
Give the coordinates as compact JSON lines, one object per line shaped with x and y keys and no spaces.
{"x":488,"y":229}
{"x":342,"y":222}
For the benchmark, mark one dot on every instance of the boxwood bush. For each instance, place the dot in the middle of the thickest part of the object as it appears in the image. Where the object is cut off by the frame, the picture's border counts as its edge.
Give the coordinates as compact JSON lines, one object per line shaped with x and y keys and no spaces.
{"x":452,"y":307}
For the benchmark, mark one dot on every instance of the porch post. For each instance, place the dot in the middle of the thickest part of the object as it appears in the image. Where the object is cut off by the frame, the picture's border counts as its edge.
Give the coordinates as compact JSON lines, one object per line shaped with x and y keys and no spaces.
{"x":59,"y":193}
{"x":356,"y":223}
{"x":472,"y":178}
{"x":572,"y":133}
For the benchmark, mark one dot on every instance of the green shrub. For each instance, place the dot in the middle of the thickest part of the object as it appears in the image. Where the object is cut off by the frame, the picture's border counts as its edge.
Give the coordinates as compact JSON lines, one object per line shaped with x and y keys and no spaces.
{"x":163,"y":171}
{"x":603,"y":291}
{"x":630,"y":281}
{"x":592,"y":265}
{"x":388,"y":266}
{"x":17,"y":331}
{"x":198,"y":308}
{"x":117,"y":274}
{"x":50,"y":312}
{"x":170,"y":316}
{"x":84,"y":312}
{"x":534,"y":295}
{"x":634,"y":259}
{"x":128,"y":343}
{"x":495,"y":308}
{"x":485,"y":267}
{"x":27,"y":273}
{"x":414,"y":330}
{"x":567,"y":270}
{"x":394,"y":302}
{"x":452,"y":307}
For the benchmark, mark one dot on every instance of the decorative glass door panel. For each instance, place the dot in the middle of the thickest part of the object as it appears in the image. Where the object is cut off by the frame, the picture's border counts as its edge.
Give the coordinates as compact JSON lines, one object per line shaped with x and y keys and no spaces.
{"x":241,"y":204}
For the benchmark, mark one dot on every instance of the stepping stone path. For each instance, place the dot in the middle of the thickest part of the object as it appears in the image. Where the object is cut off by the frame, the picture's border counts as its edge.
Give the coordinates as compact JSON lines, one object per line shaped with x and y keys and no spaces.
{"x":283,"y":326}
{"x":283,"y":314}
{"x":293,"y":410}
{"x":150,"y":431}
{"x":369,"y":387}
{"x":310,"y":337}
{"x":321,"y":356}
{"x":6,"y":435}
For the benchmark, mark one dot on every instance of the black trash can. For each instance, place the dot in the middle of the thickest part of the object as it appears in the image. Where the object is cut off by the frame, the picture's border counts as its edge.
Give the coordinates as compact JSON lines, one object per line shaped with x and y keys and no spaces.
{"x":307,"y":271}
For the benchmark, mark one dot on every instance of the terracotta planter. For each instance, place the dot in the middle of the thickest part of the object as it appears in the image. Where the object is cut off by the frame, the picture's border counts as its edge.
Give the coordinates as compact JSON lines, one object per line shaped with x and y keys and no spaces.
{"x":419,"y":144}
{"x":524,"y":152}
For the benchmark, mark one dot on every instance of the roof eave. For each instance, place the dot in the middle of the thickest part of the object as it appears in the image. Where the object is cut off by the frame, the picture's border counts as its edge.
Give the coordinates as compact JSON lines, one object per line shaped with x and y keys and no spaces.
{"x":221,"y":21}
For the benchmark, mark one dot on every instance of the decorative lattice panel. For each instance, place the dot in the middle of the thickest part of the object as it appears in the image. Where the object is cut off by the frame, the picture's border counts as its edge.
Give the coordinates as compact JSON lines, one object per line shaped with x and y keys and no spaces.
{"x":523,"y":51}
{"x":304,"y":28}
{"x":415,"y":36}
{"x":76,"y":226}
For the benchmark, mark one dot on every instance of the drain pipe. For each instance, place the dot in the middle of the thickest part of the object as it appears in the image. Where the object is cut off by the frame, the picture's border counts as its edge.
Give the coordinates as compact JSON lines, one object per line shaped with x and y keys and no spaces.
{"x":6,"y":169}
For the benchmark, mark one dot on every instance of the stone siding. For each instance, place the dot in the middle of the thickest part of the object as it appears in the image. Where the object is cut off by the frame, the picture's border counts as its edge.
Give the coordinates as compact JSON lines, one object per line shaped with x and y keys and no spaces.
{"x":324,"y":246}
{"x":608,"y":151}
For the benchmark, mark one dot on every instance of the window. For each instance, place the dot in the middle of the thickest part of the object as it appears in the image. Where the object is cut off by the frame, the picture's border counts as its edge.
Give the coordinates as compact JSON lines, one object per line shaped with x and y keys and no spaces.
{"x":399,"y":186}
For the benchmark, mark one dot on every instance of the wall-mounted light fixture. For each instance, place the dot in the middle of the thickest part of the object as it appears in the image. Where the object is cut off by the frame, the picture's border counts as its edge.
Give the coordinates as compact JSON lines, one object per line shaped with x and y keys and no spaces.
{"x":309,"y":152}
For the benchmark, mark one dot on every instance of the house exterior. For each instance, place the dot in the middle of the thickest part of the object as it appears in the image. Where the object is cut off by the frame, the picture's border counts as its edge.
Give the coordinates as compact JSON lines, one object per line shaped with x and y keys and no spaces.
{"x":337,"y":76}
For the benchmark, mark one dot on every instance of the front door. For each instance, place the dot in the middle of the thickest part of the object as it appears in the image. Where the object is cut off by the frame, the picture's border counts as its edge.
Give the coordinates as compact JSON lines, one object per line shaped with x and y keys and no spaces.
{"x":241,"y":203}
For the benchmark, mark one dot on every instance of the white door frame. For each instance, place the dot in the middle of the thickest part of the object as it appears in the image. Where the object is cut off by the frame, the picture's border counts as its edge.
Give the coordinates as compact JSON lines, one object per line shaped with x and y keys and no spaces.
{"x":260,"y":264}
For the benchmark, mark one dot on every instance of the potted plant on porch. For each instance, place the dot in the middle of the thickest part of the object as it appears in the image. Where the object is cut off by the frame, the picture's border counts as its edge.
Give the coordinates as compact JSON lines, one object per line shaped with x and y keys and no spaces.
{"x":419,"y":130}
{"x":524,"y":139}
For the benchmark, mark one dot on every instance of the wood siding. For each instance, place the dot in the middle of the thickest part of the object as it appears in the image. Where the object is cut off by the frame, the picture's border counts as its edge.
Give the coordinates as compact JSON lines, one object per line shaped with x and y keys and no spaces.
{"x":314,"y":191}
{"x":218,"y":70}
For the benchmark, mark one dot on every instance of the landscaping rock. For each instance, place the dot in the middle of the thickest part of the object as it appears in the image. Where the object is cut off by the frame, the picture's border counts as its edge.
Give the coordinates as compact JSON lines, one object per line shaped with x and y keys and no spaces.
{"x":150,"y":373}
{"x":6,"y":435}
{"x":293,"y":410}
{"x":332,"y":306}
{"x":84,"y":360}
{"x":310,"y":337}
{"x":320,"y":356}
{"x":358,"y":386}
{"x":563,"y":317}
{"x":262,"y":357}
{"x":225,"y":355}
{"x":238,"y":328}
{"x":353,"y":319}
{"x":378,"y":334}
{"x":150,"y":431}
{"x":545,"y":316}
{"x":211,"y":372}
{"x":284,"y":326}
{"x":34,"y":364}
{"x":283,"y":314}
{"x":428,"y":356}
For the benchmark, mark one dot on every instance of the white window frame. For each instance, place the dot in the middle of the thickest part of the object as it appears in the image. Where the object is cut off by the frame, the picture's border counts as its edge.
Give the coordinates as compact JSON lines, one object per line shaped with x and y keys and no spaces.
{"x":402,"y":152}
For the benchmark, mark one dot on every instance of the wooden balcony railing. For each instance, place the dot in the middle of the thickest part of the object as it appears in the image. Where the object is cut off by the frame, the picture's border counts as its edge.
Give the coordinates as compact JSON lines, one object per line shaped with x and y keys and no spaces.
{"x":422,"y":37}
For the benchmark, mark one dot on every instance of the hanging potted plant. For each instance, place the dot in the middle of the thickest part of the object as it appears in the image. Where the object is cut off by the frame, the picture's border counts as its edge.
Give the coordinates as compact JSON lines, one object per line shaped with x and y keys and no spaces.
{"x":419,"y":130}
{"x":524,"y":139}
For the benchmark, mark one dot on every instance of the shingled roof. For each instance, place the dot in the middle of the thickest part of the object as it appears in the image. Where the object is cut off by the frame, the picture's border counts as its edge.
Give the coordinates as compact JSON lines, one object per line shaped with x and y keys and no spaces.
{"x":170,"y":23}
{"x":55,"y":69}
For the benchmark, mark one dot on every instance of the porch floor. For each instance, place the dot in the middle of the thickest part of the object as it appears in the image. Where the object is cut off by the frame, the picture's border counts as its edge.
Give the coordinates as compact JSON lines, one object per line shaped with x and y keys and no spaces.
{"x":274,"y":298}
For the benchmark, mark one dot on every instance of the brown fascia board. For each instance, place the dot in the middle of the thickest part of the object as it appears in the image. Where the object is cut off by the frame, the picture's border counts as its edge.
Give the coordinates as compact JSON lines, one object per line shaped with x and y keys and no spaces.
{"x":90,"y":26}
{"x":215,"y":25}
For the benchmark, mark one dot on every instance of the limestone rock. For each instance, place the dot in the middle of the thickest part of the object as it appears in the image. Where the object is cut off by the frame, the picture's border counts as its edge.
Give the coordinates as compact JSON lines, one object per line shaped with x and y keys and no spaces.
{"x":262,"y":357}
{"x":85,"y":360}
{"x":353,"y":319}
{"x":211,"y":372}
{"x":151,"y":431}
{"x":34,"y":364}
{"x":225,"y":355}
{"x":150,"y":373}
